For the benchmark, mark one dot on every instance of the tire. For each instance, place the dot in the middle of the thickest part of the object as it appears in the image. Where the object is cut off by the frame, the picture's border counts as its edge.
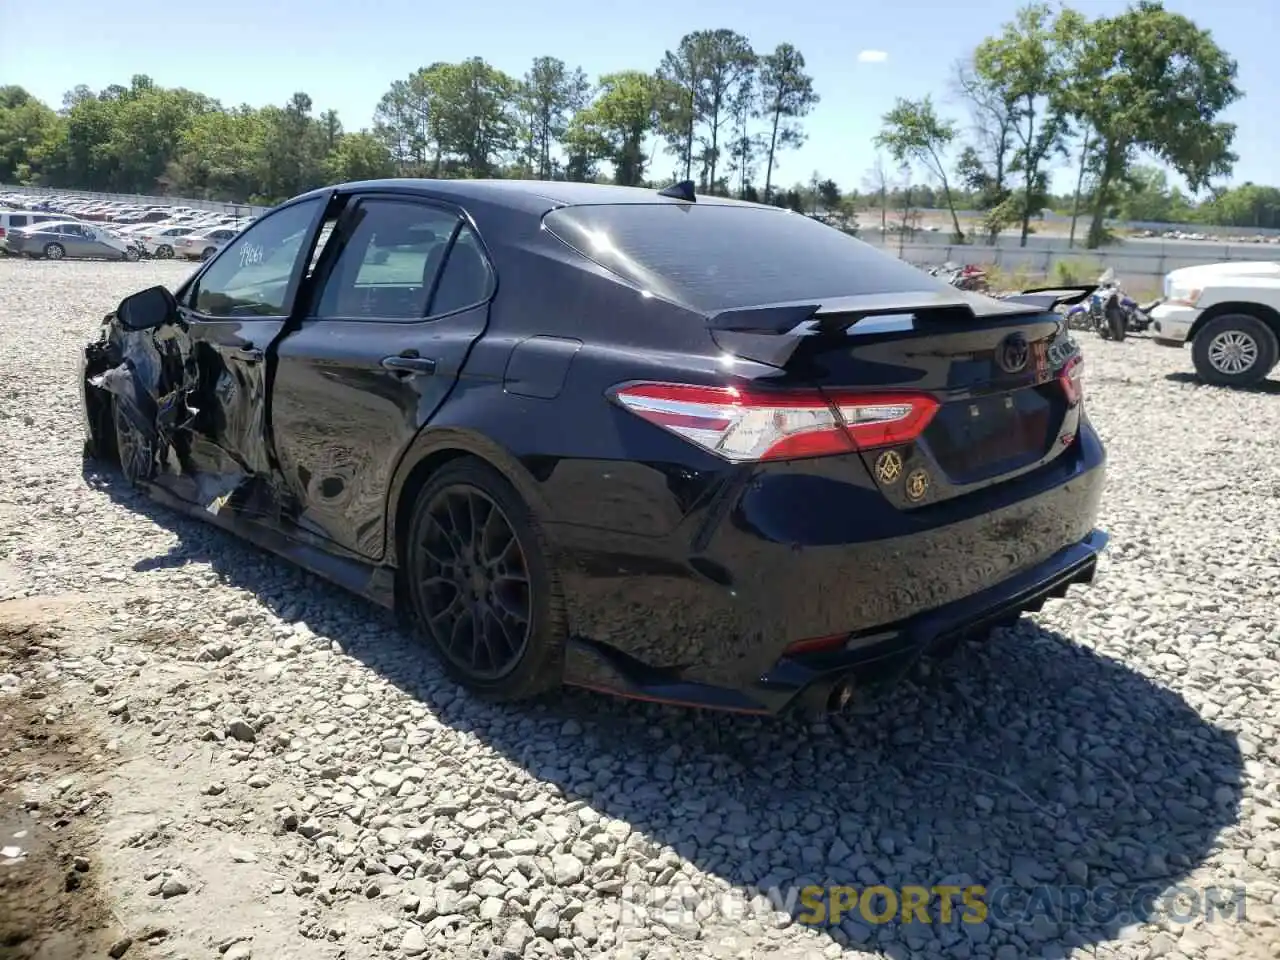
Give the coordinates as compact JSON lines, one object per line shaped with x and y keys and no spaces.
{"x":54,"y":251}
{"x":207,"y":253}
{"x":164,"y":252}
{"x":1116,"y":322}
{"x":132,"y":448}
{"x":1234,"y":350}
{"x":131,"y":255}
{"x":525,"y":656}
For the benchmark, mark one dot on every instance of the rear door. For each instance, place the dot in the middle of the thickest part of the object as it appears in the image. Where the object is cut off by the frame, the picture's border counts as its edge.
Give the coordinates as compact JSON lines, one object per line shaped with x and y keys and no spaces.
{"x":868,"y":330}
{"x":401,"y":295}
{"x":234,"y":309}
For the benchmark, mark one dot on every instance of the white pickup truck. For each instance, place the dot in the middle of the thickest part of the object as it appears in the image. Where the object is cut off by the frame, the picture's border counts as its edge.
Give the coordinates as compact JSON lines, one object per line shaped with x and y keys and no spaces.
{"x":1230,"y":314}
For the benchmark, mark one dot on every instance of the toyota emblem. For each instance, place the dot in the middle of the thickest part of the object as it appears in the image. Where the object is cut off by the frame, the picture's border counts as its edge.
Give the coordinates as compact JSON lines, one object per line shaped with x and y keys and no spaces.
{"x":1013,"y":353}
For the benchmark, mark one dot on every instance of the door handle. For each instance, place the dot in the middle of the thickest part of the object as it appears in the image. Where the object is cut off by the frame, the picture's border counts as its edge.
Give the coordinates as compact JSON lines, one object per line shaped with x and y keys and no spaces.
{"x":248,"y":354}
{"x":409,"y":365}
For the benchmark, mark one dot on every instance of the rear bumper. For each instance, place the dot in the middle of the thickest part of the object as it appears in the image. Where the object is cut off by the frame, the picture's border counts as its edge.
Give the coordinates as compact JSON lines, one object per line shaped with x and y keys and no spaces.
{"x":868,"y":658}
{"x":792,"y":557}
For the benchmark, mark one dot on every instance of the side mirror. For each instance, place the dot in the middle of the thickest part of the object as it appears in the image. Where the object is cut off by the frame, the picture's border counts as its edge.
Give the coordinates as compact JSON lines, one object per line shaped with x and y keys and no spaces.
{"x":147,"y":309}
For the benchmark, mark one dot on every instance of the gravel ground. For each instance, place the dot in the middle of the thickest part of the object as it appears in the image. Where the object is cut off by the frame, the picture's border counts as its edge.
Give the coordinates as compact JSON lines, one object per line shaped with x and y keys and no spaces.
{"x":254,"y":764}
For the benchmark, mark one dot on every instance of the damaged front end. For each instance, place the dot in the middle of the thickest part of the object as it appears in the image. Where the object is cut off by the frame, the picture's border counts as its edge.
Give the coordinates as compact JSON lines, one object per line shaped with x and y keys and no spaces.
{"x":149,"y":387}
{"x":143,"y":408}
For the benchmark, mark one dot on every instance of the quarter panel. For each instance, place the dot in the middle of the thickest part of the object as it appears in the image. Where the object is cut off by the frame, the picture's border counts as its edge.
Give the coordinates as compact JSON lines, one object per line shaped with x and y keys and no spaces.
{"x":594,"y":464}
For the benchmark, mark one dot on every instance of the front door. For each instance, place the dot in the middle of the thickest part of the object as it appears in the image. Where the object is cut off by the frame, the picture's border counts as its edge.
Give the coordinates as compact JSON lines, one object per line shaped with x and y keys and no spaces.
{"x":75,"y":240}
{"x":233,"y":310}
{"x":399,"y":298}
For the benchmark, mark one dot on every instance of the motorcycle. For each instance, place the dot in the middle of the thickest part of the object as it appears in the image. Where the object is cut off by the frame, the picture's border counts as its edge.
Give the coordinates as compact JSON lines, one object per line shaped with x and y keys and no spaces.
{"x":1110,"y":312}
{"x":968,"y":277}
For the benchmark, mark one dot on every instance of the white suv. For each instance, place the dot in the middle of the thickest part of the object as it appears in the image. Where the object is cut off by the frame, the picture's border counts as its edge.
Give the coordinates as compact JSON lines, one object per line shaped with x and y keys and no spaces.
{"x":1229,"y":313}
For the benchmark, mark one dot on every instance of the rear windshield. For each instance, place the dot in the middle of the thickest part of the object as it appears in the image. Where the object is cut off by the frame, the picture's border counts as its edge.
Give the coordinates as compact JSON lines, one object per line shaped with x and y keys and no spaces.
{"x":719,"y":257}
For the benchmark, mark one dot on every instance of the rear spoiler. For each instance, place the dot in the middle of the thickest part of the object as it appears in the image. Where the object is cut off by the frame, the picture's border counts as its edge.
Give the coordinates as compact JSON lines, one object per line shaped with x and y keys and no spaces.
{"x":841,"y":313}
{"x":1051,"y":297}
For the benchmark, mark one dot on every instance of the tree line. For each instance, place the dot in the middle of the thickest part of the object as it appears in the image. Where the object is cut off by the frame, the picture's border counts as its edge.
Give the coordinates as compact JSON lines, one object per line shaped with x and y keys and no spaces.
{"x":1050,"y":88}
{"x":1098,"y":93}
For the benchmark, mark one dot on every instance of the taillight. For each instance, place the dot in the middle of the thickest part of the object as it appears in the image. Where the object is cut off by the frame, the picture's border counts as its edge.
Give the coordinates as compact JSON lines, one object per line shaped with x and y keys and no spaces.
{"x":739,"y":424}
{"x":1072,"y":380}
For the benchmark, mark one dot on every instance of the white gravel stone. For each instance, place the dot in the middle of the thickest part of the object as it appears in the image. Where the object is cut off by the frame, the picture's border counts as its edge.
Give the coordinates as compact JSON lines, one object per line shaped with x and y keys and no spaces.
{"x":1125,"y":735}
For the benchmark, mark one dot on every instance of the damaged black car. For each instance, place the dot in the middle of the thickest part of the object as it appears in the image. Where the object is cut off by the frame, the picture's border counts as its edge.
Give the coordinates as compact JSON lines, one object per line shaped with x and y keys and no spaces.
{"x":668,"y":446}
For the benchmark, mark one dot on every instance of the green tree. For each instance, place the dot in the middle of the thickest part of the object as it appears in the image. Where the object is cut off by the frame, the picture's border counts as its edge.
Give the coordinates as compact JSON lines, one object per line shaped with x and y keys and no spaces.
{"x":729,"y":66}
{"x":219,"y":156}
{"x":1145,"y":195}
{"x":984,"y":165}
{"x":829,"y":195}
{"x":359,"y":156}
{"x":410,"y":119}
{"x":615,"y":126}
{"x":681,"y":76}
{"x":1248,"y":205}
{"x":28,"y":129}
{"x":914,"y":133}
{"x":1022,"y":68}
{"x":146,"y":126}
{"x":478,"y":124}
{"x":1151,"y":80}
{"x":399,"y":122}
{"x":331,"y":129}
{"x":786,"y":95}
{"x":550,"y":95}
{"x":292,"y":158}
{"x":745,"y":146}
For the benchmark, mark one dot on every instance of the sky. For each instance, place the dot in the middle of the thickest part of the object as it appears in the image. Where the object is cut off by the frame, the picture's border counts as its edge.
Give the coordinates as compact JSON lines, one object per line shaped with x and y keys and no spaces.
{"x":345,"y":55}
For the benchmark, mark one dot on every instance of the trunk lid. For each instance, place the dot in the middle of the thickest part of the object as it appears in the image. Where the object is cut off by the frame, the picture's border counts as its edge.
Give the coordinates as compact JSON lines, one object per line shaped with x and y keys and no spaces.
{"x":992,"y":365}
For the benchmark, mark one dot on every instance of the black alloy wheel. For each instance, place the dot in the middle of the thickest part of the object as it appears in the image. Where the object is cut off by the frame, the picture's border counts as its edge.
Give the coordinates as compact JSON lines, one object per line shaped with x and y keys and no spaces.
{"x":480,"y":584}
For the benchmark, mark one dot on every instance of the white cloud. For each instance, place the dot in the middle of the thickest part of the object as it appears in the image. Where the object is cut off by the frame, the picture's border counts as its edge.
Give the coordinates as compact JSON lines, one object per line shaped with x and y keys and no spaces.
{"x":873,"y":56}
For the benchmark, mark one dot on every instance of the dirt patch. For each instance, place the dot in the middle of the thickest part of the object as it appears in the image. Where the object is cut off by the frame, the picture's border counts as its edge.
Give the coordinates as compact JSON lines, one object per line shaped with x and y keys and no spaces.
{"x":50,"y":905}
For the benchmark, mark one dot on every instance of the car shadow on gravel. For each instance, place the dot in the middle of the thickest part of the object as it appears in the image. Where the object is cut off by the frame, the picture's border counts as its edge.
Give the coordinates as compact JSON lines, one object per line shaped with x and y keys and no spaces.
{"x":1266,"y":386}
{"x":1069,"y":786}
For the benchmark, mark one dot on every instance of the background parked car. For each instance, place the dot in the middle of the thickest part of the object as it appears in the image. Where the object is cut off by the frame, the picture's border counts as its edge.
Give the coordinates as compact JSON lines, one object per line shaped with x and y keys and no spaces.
{"x":21,"y":219}
{"x":69,"y":239}
{"x":203,"y":244}
{"x":160,"y":242}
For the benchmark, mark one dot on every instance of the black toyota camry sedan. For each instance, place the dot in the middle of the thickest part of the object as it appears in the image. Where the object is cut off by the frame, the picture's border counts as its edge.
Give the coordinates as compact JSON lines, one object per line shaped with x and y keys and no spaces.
{"x":653,"y":443}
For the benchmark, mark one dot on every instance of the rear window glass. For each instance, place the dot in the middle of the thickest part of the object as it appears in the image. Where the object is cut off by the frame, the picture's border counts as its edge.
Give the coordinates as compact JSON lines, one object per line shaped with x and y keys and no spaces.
{"x":17,"y":220}
{"x":719,"y":257}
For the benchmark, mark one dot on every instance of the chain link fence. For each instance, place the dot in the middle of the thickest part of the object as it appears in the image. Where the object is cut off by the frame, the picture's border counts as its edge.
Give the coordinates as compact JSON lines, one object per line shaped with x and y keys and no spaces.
{"x":1139,"y":266}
